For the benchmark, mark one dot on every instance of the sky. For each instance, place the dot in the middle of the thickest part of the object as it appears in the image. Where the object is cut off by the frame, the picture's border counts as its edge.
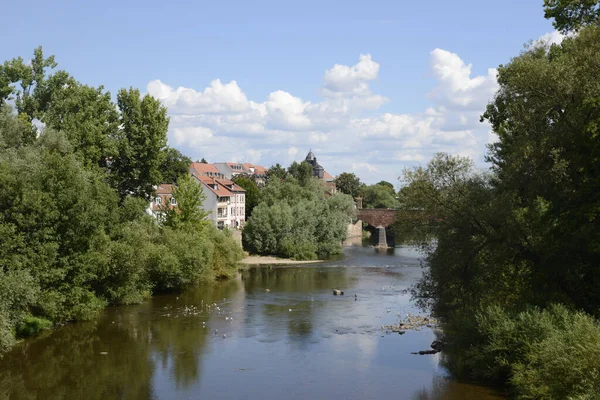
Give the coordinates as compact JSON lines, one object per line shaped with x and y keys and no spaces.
{"x":372,"y":87}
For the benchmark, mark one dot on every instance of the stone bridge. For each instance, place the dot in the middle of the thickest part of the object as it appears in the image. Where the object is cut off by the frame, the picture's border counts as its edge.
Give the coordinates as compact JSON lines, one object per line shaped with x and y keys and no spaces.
{"x":379,"y":218}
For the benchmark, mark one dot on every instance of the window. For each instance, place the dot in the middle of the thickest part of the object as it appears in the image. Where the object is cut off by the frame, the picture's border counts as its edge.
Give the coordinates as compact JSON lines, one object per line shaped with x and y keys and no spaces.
{"x":158,"y":200}
{"x":173,"y":201}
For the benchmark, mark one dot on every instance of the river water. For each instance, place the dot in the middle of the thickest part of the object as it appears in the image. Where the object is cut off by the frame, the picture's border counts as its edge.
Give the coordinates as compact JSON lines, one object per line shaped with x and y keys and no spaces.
{"x":273,"y":333}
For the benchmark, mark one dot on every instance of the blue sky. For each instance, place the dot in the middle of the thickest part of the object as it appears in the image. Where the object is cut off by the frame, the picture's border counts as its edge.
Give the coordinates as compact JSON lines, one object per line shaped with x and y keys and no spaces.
{"x":372,"y":116}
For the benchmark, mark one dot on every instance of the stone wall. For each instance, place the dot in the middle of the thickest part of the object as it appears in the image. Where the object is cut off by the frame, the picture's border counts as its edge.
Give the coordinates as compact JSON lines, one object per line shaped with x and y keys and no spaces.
{"x":354,"y":230}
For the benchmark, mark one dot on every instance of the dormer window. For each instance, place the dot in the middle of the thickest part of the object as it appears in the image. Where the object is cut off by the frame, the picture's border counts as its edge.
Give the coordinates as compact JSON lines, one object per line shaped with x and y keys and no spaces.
{"x":158,"y":200}
{"x":173,"y":201}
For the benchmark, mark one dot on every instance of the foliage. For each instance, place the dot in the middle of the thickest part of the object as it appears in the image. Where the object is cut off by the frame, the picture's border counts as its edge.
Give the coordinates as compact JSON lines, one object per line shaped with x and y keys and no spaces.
{"x":69,"y":245}
{"x":302,"y":172}
{"x":348,"y":183}
{"x":298,"y":221}
{"x":525,"y":234}
{"x":276,"y":171}
{"x":253,"y":193}
{"x":173,"y":165}
{"x":377,"y":196}
{"x":388,"y":186}
{"x":571,"y":15}
{"x":188,"y":213}
{"x":544,"y":354}
{"x":142,"y":138}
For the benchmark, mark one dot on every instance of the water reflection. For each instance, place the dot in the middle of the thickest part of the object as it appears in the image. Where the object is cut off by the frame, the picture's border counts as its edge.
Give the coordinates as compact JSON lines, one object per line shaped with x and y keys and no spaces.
{"x":274,"y":332}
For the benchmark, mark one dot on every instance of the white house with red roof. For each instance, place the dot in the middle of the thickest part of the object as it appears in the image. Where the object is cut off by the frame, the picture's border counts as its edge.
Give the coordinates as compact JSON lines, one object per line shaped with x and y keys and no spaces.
{"x":163,"y":198}
{"x":225,"y":202}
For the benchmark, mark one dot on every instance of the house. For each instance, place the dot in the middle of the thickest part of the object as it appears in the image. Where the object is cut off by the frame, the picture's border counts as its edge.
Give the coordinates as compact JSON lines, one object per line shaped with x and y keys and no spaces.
{"x":229,"y":170}
{"x":225,"y":202}
{"x":257,"y":172}
{"x":201,"y":169}
{"x":163,"y":199}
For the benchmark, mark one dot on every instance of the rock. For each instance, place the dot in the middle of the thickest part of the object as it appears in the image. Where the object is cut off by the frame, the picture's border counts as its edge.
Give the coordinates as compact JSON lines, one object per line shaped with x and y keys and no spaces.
{"x":425,"y":352}
{"x":437,"y":345}
{"x":103,"y":353}
{"x":337,"y":292}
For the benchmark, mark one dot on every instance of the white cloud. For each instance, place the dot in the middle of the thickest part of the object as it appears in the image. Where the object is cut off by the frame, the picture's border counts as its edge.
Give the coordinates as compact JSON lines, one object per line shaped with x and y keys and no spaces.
{"x":554,"y":37}
{"x":220,"y":122}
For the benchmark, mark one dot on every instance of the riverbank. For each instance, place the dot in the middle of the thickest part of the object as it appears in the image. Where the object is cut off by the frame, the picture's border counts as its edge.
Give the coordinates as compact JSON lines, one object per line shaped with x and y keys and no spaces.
{"x":266,"y":260}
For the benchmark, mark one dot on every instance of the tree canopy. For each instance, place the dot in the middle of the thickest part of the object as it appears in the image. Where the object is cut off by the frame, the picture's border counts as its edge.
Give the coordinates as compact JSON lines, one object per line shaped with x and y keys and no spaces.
{"x":348,"y":183}
{"x":517,"y":247}
{"x":298,"y":220}
{"x":572,"y":15}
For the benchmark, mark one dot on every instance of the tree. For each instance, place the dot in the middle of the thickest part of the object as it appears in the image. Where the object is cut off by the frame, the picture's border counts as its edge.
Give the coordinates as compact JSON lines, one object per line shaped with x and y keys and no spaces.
{"x":388,"y":186}
{"x":142,"y":137}
{"x":303,"y":172}
{"x":348,"y":183}
{"x":572,"y":15}
{"x":298,"y":221}
{"x":276,"y":171}
{"x":203,"y":161}
{"x":173,"y":165}
{"x":89,"y":119}
{"x":377,"y":196}
{"x":188,"y":213}
{"x":253,"y":193}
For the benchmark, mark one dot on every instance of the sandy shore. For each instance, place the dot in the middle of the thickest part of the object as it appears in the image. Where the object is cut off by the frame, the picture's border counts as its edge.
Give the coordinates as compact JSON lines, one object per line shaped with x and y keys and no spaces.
{"x":262,"y":260}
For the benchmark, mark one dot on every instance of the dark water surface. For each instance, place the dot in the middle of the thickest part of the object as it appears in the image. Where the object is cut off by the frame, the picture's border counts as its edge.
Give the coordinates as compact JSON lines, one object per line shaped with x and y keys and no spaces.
{"x":236,"y":340}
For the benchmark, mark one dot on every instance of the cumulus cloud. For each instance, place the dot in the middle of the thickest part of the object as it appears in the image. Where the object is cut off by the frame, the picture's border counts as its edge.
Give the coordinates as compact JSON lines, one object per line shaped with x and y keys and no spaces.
{"x":554,"y":37}
{"x":344,"y":129}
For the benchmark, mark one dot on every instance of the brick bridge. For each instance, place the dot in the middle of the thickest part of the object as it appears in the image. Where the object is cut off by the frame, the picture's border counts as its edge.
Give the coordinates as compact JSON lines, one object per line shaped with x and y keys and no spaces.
{"x":379,"y":218}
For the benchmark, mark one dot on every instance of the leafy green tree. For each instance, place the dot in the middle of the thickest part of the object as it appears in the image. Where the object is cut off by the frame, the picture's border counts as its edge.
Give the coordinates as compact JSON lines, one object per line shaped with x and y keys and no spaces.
{"x":203,"y":161}
{"x":388,"y":186}
{"x":173,"y":165}
{"x":89,"y":119}
{"x":348,"y":183}
{"x":377,"y":196}
{"x":302,"y":172}
{"x":298,"y":221}
{"x":142,"y":137}
{"x":276,"y":171}
{"x":188,"y":213}
{"x":572,"y":15}
{"x":253,"y":193}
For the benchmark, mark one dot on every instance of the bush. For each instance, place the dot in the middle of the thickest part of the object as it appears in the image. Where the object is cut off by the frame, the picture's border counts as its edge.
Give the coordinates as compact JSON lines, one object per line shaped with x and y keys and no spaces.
{"x":543,"y":354}
{"x":32,"y":326}
{"x":298,"y":222}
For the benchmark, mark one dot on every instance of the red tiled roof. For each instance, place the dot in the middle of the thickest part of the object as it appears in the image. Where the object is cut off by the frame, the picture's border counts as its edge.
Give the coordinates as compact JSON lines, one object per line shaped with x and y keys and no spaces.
{"x":165,"y":188}
{"x":327,"y":176}
{"x":220,"y":191}
{"x":202,"y":168}
{"x":164,"y":191}
{"x":230,"y":185}
{"x":258,"y":169}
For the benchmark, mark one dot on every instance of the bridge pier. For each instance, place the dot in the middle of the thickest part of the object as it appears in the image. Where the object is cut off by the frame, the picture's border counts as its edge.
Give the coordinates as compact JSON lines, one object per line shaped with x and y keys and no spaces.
{"x":382,"y":240}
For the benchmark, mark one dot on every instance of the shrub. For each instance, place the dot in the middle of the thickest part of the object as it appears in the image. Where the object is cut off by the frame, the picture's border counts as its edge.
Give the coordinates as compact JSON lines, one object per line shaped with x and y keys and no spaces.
{"x":543,"y":354}
{"x":32,"y":326}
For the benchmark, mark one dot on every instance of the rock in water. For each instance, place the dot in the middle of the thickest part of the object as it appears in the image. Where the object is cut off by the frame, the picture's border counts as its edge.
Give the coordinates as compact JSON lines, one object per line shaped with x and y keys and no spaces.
{"x":337,"y":292}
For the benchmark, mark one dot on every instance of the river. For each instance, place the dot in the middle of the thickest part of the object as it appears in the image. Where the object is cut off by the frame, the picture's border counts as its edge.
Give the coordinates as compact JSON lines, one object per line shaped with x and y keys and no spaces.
{"x":273,"y":333}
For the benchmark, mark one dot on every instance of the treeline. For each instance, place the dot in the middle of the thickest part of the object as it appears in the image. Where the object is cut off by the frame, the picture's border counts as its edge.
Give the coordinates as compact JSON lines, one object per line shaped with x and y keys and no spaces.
{"x":74,"y":234}
{"x":379,"y":195}
{"x":296,"y":217}
{"x":514,"y":271}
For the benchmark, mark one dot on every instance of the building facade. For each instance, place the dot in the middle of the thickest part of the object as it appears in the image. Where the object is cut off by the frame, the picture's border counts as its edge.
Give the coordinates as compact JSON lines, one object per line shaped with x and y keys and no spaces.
{"x":225,"y":202}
